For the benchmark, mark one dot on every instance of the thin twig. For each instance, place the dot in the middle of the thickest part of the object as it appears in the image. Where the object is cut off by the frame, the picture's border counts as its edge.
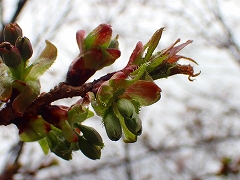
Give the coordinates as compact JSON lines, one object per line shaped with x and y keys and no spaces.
{"x":13,"y":165}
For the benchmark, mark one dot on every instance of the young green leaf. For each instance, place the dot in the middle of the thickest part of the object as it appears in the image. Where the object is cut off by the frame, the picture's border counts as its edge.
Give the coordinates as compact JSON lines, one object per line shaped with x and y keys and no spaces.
{"x":30,"y":135}
{"x":58,"y":144}
{"x":44,"y":145}
{"x":26,"y":97}
{"x":78,"y":114}
{"x":43,"y":62}
{"x":152,"y":44}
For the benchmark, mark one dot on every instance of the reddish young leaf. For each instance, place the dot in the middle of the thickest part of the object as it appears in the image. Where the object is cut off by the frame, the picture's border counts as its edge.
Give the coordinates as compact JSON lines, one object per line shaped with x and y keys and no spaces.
{"x":144,"y":92}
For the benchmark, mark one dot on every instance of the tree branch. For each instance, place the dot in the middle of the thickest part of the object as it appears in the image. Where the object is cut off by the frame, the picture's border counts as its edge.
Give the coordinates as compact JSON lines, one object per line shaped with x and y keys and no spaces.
{"x":61,"y":91}
{"x":20,"y":6}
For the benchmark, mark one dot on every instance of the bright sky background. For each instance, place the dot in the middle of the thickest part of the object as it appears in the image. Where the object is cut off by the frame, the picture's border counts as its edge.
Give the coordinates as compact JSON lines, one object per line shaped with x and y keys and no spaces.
{"x":137,"y":22}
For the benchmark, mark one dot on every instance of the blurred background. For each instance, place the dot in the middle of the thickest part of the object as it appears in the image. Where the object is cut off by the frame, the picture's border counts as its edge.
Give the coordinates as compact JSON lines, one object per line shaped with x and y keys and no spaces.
{"x":192,"y":133}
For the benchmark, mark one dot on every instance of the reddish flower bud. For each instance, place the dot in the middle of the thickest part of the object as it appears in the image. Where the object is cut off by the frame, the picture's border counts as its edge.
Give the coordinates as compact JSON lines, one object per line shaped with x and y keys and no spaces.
{"x":10,"y":54}
{"x":82,"y":68}
{"x":11,"y":32}
{"x":100,"y":36}
{"x":54,"y":114}
{"x":25,"y":47}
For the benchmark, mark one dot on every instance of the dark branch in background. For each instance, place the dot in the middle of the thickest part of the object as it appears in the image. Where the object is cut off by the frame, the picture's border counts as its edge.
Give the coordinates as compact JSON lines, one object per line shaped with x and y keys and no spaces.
{"x":20,"y":6}
{"x":12,"y":165}
{"x":229,"y":42}
{"x":49,"y":30}
{"x":206,"y":18}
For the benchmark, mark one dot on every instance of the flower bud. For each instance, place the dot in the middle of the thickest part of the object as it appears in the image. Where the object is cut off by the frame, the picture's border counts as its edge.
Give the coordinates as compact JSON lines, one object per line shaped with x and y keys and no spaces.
{"x":134,"y":124}
{"x":91,"y":135}
{"x":77,"y":72}
{"x":100,"y":36}
{"x":11,"y":32}
{"x":54,"y":115}
{"x":125,"y":107}
{"x":25,"y":47}
{"x":83,"y":67}
{"x":10,"y":55}
{"x":112,"y":126}
{"x":131,"y":118}
{"x":91,"y":151}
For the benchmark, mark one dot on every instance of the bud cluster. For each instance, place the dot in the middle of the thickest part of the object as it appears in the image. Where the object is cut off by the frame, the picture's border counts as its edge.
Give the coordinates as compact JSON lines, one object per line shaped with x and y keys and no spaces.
{"x":122,"y":117}
{"x":116,"y":97}
{"x":68,"y":131}
{"x":10,"y":55}
{"x":16,"y":49}
{"x":118,"y":101}
{"x":131,"y":118}
{"x":97,"y":50}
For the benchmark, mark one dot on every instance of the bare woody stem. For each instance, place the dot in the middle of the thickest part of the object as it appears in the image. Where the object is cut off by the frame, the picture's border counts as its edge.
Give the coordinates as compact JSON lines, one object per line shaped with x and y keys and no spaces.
{"x":61,"y":91}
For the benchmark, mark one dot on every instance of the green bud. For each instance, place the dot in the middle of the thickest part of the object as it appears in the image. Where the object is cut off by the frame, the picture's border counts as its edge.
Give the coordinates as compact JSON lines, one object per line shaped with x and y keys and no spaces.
{"x":25,"y":47}
{"x":91,"y":151}
{"x":131,"y":118}
{"x":91,"y":135}
{"x":11,"y":32}
{"x":134,"y":124}
{"x":10,"y":55}
{"x":125,"y":107}
{"x":112,"y":126}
